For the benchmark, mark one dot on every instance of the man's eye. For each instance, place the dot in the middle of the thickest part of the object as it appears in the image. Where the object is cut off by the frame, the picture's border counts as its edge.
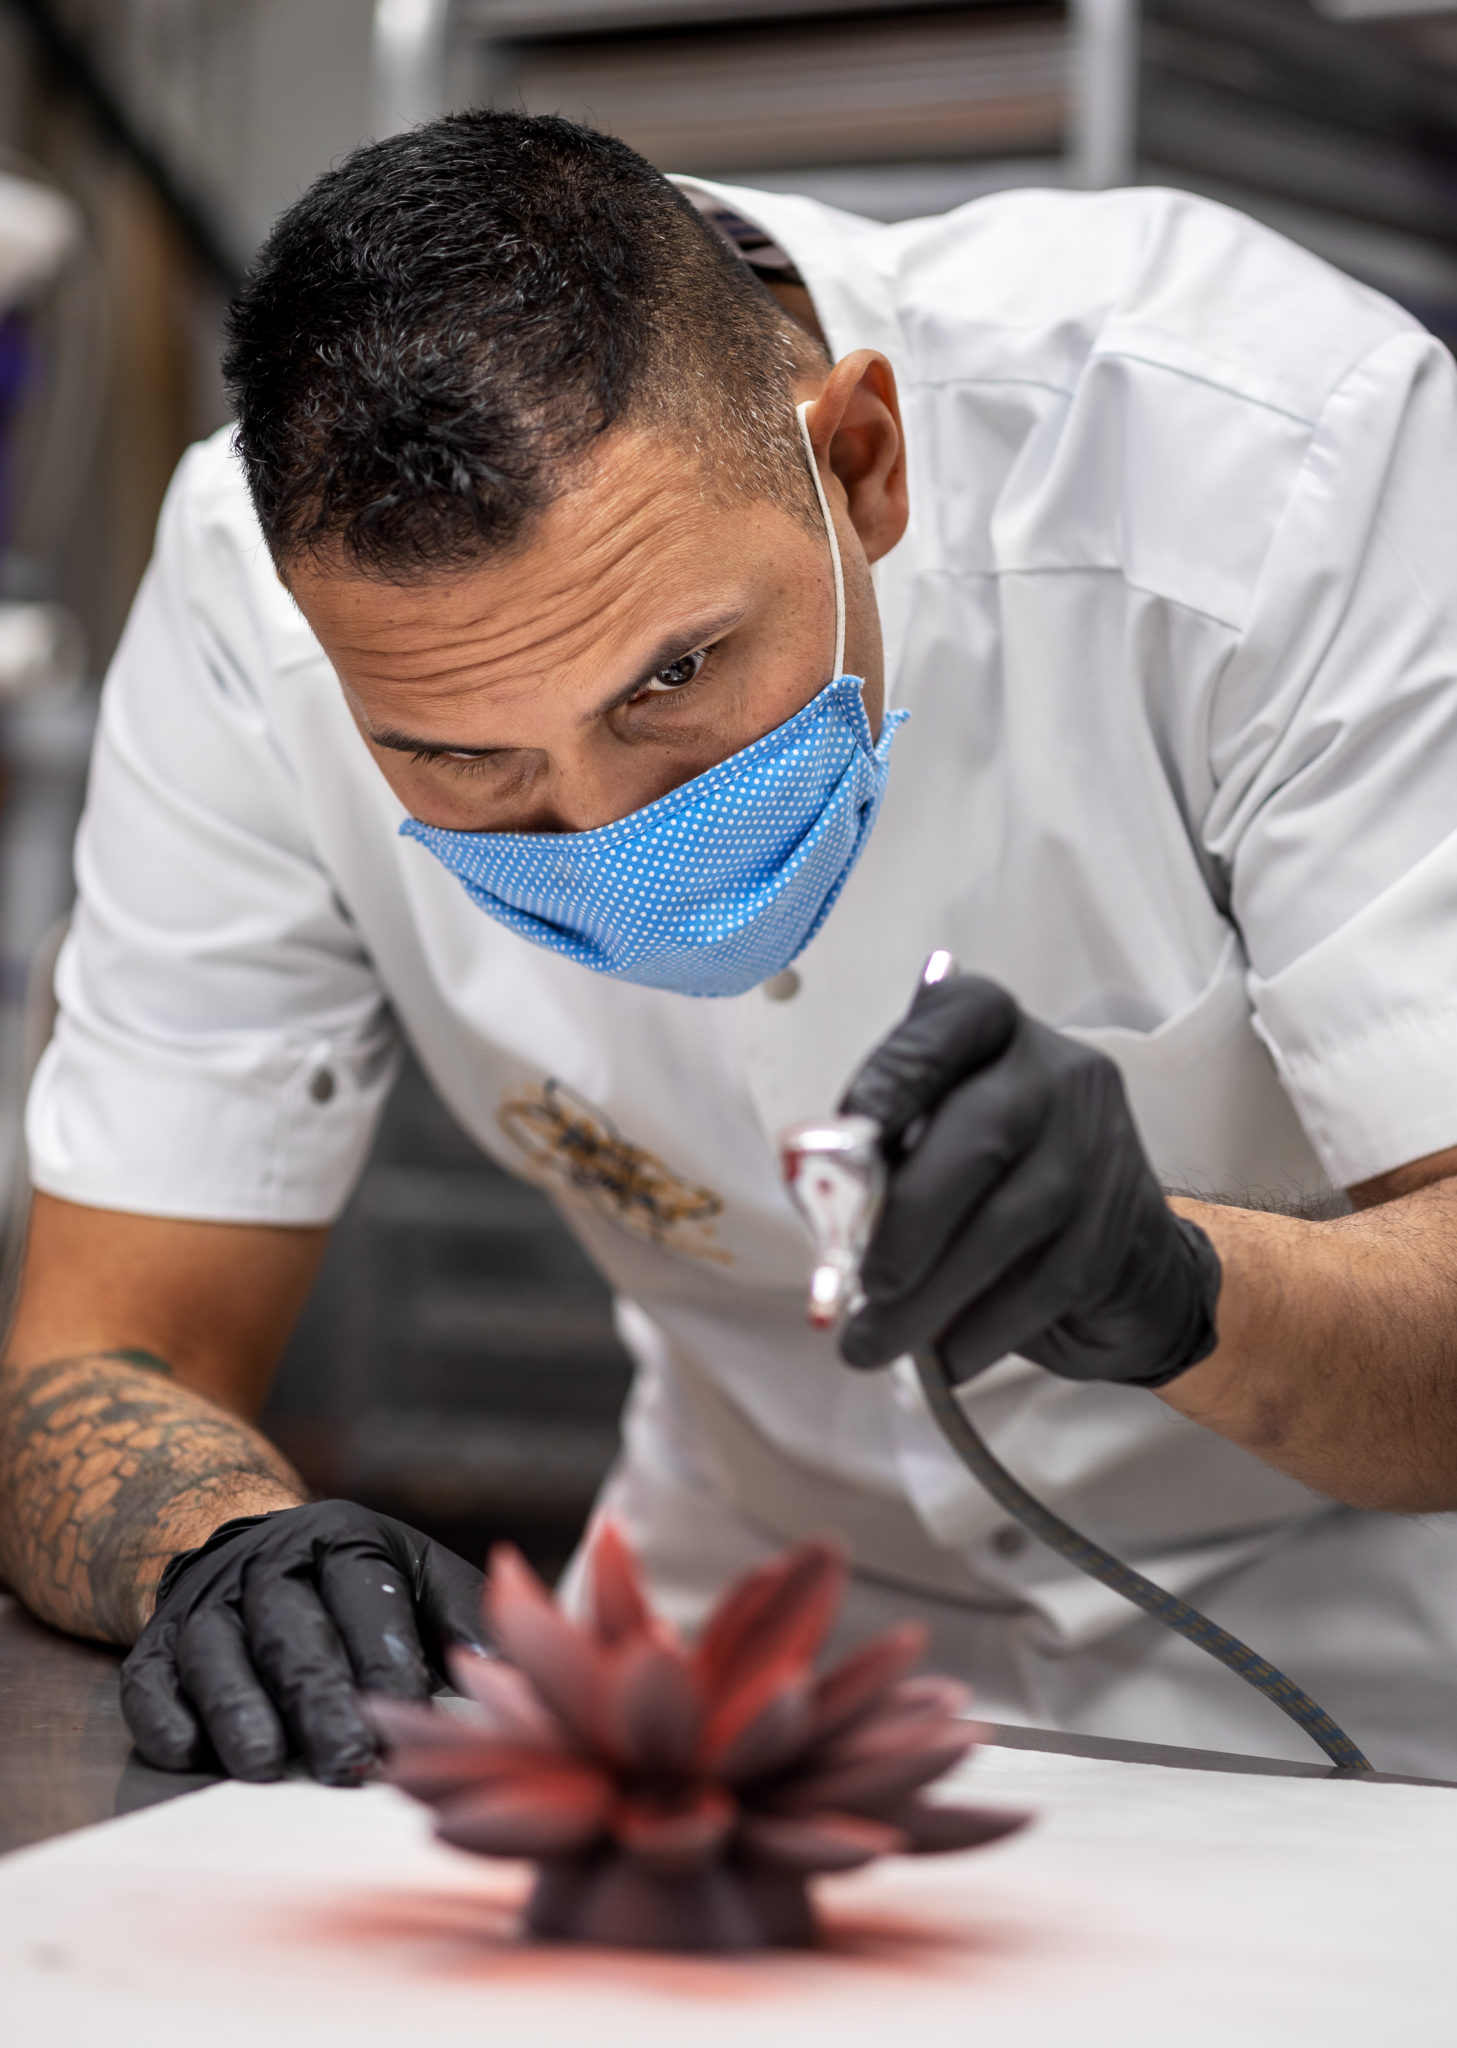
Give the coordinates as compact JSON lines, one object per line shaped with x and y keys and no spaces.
{"x":461,"y":759}
{"x":686,"y":669}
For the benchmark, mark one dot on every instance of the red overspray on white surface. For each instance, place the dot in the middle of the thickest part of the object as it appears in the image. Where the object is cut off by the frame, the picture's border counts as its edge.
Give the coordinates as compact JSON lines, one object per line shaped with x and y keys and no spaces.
{"x":1144,"y":1906}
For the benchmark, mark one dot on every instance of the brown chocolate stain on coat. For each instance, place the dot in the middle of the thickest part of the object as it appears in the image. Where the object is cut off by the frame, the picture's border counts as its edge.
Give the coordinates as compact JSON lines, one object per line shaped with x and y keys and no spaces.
{"x":569,"y":1144}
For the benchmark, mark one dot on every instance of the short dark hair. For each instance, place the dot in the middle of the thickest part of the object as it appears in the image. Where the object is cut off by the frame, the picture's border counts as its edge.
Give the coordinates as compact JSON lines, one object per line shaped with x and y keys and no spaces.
{"x":438,"y":329}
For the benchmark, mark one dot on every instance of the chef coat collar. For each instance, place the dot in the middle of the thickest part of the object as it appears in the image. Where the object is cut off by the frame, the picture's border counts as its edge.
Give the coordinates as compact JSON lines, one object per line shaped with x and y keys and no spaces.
{"x":849,"y":295}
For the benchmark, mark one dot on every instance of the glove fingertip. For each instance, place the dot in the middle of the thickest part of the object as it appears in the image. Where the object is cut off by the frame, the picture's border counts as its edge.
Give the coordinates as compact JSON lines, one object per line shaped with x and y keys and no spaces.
{"x":262,"y":1770}
{"x":345,"y":1776}
{"x":161,"y":1723}
{"x":413,"y":1682}
{"x":169,"y":1738}
{"x":952,"y":1030}
{"x":860,"y":1098}
{"x":861,"y":1347}
{"x":172,"y":1749}
{"x":248,"y":1750}
{"x":470,"y":1637}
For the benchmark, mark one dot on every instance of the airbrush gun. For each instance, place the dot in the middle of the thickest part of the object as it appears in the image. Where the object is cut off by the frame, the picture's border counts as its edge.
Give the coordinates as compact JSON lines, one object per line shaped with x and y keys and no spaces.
{"x":835,"y":1170}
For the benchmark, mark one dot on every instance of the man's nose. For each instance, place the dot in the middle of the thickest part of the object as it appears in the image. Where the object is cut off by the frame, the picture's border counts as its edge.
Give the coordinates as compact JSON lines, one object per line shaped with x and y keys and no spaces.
{"x":574,"y":794}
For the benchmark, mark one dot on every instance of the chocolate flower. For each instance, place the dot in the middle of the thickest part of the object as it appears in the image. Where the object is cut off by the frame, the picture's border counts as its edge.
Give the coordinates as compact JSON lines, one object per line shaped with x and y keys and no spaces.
{"x":677,"y":1798}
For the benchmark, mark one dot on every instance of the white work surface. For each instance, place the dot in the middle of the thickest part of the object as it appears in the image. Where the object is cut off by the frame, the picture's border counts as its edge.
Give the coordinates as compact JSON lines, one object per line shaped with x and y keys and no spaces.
{"x":1145,"y":1906}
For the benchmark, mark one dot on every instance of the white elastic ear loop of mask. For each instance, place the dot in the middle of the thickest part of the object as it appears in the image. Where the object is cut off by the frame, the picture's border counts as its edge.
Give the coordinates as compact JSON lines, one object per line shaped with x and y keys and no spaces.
{"x":802,"y":415}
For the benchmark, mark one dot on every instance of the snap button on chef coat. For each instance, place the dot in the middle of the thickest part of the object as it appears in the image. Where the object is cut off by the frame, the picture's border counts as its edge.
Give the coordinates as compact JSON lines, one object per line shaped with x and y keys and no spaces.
{"x":1175,"y":620}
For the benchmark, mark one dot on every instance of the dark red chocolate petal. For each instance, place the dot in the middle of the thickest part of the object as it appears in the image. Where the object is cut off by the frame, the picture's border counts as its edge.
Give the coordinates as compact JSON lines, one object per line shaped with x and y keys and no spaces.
{"x":931,"y":1694}
{"x":556,"y":1813}
{"x":862,"y":1679}
{"x":891,"y":1729}
{"x":619,"y":1606}
{"x":818,"y":1841}
{"x":432,"y":1773}
{"x":773,"y":1739}
{"x":764,"y":1634}
{"x":779,"y":1608}
{"x":651,"y":1711}
{"x":865,"y":1787}
{"x":935,"y":1830}
{"x":563,"y":1665}
{"x":510,"y":1706}
{"x":683,"y":1836}
{"x":412,"y":1723}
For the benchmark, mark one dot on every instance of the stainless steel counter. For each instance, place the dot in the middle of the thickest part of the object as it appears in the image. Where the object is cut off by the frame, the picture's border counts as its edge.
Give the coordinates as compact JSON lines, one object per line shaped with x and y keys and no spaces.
{"x":65,"y":1756}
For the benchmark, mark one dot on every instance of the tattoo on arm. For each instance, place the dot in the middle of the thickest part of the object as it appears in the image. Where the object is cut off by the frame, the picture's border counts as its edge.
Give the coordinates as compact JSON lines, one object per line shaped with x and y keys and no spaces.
{"x":107,"y":1468}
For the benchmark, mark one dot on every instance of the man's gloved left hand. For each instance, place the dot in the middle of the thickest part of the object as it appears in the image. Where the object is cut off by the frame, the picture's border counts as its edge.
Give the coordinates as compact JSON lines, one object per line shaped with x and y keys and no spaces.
{"x":1023,"y":1215}
{"x":261,"y":1635}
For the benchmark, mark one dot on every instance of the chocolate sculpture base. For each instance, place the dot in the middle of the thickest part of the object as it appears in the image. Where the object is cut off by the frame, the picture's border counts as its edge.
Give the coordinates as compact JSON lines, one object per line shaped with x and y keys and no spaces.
{"x":617,"y":1901}
{"x":681,"y":1798}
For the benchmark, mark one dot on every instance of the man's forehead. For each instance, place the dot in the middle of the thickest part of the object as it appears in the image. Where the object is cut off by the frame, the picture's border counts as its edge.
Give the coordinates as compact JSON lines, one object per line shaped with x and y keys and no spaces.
{"x":625,"y":537}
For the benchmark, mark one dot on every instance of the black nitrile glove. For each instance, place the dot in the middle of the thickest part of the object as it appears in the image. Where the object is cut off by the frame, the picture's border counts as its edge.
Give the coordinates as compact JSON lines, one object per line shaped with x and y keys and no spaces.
{"x":263,"y":1634}
{"x":1022,"y":1215}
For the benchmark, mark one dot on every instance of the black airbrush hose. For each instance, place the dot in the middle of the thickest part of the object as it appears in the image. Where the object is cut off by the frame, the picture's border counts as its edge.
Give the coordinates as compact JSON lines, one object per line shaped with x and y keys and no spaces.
{"x":834,"y":1169}
{"x":1100,"y":1564}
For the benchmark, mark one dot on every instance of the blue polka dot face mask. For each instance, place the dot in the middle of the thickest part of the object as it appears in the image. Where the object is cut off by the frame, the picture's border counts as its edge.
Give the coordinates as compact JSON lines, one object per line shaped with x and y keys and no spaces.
{"x":719,"y":884}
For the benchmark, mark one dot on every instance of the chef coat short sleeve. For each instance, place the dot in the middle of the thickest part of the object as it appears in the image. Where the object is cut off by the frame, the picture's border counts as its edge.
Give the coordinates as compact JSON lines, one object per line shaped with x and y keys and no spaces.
{"x":222,"y":1047}
{"x":1334,"y":750}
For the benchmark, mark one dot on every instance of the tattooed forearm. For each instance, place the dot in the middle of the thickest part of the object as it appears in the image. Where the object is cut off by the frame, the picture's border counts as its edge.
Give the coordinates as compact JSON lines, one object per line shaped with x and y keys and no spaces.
{"x":107,"y":1467}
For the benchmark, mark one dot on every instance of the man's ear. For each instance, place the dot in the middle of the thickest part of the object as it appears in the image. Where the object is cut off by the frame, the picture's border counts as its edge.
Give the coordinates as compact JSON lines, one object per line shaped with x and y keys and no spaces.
{"x":855,"y":430}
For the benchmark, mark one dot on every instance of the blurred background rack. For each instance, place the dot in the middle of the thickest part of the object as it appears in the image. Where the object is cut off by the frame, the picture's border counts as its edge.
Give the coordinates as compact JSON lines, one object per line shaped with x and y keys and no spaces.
{"x":1338,"y":124}
{"x":898,"y":108}
{"x":457,"y":1363}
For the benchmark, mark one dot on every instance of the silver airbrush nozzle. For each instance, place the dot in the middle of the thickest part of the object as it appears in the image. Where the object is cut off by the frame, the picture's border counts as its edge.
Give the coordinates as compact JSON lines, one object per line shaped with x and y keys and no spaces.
{"x":834,"y":1171}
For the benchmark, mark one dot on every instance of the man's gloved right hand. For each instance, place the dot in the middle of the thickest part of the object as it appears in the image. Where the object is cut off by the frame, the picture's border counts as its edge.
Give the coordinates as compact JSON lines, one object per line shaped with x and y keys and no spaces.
{"x":1025,"y":1216}
{"x":262,"y":1636}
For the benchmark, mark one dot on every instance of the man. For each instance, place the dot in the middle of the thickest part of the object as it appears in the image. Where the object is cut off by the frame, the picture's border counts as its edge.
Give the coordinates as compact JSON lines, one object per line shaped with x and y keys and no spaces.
{"x":492,"y":692}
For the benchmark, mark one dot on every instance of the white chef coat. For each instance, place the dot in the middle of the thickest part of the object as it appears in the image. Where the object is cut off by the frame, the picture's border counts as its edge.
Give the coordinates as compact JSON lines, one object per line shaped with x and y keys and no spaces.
{"x":1176,"y":623}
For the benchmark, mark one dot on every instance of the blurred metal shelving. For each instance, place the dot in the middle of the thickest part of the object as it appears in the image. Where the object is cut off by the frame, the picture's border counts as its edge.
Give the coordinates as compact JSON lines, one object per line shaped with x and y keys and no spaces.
{"x":1305,"y":112}
{"x":947,"y":98}
{"x":867,"y":90}
{"x":1345,"y":140}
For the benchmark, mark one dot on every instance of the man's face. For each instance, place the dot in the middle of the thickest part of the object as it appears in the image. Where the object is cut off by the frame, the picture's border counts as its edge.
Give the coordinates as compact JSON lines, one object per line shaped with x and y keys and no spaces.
{"x":644,"y":631}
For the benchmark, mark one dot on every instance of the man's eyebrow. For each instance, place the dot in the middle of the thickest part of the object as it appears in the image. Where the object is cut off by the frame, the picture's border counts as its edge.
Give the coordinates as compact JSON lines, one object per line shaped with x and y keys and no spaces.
{"x":406,"y":743}
{"x":673,"y":648}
